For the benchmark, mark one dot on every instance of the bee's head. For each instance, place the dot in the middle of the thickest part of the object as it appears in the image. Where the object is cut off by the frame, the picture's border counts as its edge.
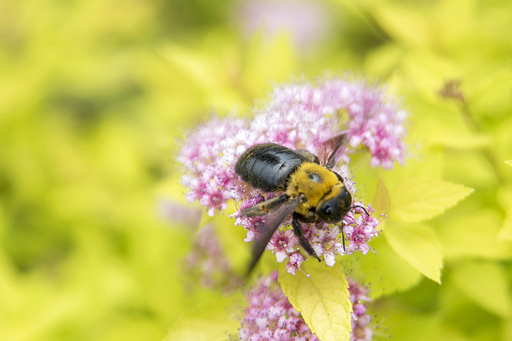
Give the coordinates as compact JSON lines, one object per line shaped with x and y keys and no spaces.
{"x":335,"y":205}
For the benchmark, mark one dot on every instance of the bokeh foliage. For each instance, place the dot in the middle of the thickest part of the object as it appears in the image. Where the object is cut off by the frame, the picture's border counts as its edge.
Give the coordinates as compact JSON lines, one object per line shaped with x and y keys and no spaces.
{"x":94,"y":95}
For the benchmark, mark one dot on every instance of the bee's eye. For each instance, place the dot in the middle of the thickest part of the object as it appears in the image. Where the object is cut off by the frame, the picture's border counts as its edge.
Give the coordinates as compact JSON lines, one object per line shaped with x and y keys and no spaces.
{"x":327,"y":212}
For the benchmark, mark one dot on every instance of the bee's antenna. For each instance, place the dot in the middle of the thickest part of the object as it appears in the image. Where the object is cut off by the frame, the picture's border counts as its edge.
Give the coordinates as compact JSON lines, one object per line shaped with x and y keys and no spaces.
{"x":364,"y":209}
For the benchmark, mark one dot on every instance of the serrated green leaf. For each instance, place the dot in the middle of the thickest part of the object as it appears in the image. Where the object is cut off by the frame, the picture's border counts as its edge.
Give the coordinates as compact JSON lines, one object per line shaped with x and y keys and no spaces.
{"x":419,"y":246}
{"x":506,"y":229}
{"x":322,"y":299}
{"x":422,"y":199}
{"x":509,"y":162}
{"x":210,"y":322}
{"x":486,"y":284}
{"x":385,"y":271}
{"x":381,"y":202}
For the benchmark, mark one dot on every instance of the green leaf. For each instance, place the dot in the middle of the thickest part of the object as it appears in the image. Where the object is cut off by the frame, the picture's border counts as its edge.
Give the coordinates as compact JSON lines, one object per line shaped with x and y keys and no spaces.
{"x":426,"y":71}
{"x":492,"y":96}
{"x":421,"y":199}
{"x":453,"y":21}
{"x":506,"y":230}
{"x":474,"y":235}
{"x":507,"y":329}
{"x":486,"y":284}
{"x":416,"y":327}
{"x":382,"y":60}
{"x":451,"y":138}
{"x":322,"y":299}
{"x":381,"y":202}
{"x":476,"y":172}
{"x":393,"y":18}
{"x":385,"y":271}
{"x":509,"y":162}
{"x":267,"y":61}
{"x":210,"y":322}
{"x":419,"y":246}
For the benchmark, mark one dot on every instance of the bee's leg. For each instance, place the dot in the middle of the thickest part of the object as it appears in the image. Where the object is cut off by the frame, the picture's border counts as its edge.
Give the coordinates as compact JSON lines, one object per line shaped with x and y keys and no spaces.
{"x":299,"y":232}
{"x":343,"y":236}
{"x":265,"y":207}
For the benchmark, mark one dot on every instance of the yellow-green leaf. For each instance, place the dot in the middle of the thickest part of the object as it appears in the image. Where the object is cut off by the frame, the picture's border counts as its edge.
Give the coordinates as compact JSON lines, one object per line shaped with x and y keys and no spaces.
{"x":268,"y":61}
{"x":419,"y":246}
{"x":381,"y":202}
{"x":427,"y":71}
{"x":208,"y":323}
{"x":463,"y":140}
{"x":417,"y":328}
{"x":506,"y":229}
{"x":322,"y":299}
{"x":382,"y":60}
{"x":509,"y":162}
{"x":422,"y":199}
{"x":507,"y":329}
{"x":393,"y":18}
{"x":486,"y":284}
{"x":492,"y":94}
{"x":473,"y":235}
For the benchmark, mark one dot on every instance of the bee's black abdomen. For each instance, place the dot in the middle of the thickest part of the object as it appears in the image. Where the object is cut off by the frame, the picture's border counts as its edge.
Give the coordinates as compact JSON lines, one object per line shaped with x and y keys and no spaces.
{"x":268,"y":166}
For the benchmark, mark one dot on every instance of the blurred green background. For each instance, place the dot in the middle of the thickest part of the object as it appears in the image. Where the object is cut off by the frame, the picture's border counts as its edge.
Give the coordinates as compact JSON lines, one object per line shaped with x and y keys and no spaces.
{"x":95,"y":97}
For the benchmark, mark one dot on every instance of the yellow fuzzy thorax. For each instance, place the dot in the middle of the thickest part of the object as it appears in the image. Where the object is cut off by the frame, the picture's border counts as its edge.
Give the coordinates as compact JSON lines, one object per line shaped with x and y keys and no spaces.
{"x":314,"y":181}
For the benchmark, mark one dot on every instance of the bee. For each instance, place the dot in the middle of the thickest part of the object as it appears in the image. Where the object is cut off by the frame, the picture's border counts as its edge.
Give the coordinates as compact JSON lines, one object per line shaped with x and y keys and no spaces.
{"x":311,"y":190}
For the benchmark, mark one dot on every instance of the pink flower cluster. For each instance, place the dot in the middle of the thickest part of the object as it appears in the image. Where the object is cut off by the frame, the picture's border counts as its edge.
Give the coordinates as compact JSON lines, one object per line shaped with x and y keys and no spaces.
{"x":209,"y":156}
{"x":270,"y":316}
{"x":299,"y":116}
{"x":360,"y":320}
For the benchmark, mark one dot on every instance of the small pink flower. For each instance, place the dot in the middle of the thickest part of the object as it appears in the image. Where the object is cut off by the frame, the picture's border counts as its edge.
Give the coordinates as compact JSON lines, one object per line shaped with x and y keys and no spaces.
{"x":296,"y":259}
{"x":359,"y":231}
{"x":283,"y":244}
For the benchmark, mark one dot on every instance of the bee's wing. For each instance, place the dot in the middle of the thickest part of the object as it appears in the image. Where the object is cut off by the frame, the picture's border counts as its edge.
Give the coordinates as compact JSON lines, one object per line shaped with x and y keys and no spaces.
{"x":267,"y":229}
{"x":332,"y":147}
{"x":263,"y":208}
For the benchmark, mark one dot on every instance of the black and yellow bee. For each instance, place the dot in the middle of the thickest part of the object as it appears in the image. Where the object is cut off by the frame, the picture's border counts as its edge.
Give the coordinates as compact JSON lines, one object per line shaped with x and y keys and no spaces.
{"x":311,"y":189}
